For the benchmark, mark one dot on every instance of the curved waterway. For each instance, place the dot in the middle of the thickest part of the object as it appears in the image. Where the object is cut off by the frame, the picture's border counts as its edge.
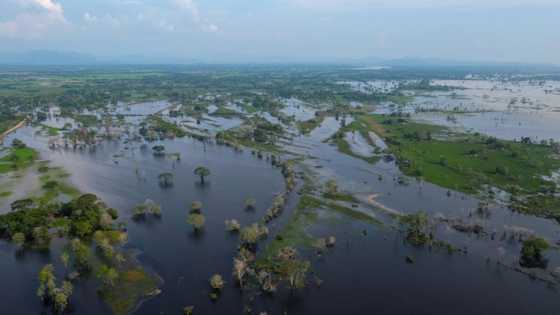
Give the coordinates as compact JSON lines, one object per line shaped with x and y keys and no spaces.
{"x":366,"y":272}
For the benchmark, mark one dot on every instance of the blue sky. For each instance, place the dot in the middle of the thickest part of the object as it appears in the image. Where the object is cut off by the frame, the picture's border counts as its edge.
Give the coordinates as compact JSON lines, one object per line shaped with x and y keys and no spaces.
{"x":287,"y":30}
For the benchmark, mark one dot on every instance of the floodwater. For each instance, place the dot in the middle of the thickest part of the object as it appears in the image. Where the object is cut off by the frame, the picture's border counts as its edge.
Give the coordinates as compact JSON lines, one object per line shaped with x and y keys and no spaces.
{"x":503,"y":109}
{"x":363,"y":274}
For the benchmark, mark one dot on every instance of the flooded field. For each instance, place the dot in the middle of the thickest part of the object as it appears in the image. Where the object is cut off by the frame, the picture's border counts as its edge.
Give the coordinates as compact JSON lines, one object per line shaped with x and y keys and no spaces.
{"x":475,"y":244}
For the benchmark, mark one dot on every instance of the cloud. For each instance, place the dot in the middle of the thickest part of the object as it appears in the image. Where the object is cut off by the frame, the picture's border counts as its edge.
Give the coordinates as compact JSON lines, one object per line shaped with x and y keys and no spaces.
{"x":90,"y":18}
{"x":166,"y":15}
{"x":191,"y":7}
{"x":32,"y":18}
{"x":50,"y":6}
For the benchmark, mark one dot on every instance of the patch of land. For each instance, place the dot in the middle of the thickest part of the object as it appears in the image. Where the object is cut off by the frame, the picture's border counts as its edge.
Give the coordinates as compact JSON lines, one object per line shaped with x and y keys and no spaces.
{"x":471,"y":163}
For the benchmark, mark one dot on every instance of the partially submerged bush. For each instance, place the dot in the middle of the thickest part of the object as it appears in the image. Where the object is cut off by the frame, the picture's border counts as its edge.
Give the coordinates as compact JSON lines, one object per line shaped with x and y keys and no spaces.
{"x":250,"y":203}
{"x":49,"y":293}
{"x":250,"y":235}
{"x":531,"y":253}
{"x":196,"y":220}
{"x":331,"y":187}
{"x":217,"y":282}
{"x":165,"y":180}
{"x":276,"y":208}
{"x":241,"y":265}
{"x":148,"y":207}
{"x":196,"y":207}
{"x":290,"y":268}
{"x":188,"y":310}
{"x":158,"y":150}
{"x":417,"y":225}
{"x":233,"y":225}
{"x":18,"y":239}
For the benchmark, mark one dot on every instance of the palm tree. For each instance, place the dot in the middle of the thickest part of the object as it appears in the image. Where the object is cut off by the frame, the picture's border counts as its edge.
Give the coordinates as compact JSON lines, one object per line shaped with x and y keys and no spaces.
{"x":202,"y":172}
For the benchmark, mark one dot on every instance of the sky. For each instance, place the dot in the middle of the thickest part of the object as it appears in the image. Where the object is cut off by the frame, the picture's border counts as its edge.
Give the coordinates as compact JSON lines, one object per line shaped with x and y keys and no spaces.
{"x":525,"y":31}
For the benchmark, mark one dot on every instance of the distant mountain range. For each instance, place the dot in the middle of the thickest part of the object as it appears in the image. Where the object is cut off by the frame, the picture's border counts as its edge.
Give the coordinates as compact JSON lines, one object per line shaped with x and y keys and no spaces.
{"x":44,"y":57}
{"x":62,"y":58}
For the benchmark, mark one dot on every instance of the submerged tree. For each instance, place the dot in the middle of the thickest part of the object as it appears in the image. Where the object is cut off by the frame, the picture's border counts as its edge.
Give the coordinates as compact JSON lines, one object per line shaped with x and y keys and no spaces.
{"x":148,"y":207}
{"x":417,"y":228}
{"x":108,"y":275}
{"x":292,"y":269}
{"x":196,"y":220}
{"x":202,"y":172}
{"x":165,"y":180}
{"x":250,"y":203}
{"x":217,"y":282}
{"x":250,"y":235}
{"x":531,"y":253}
{"x":188,"y":310}
{"x":19,"y":239}
{"x":232,"y":225}
{"x":331,"y":187}
{"x":48,"y":292}
{"x":82,"y":254}
{"x":196,"y":207}
{"x":158,"y":150}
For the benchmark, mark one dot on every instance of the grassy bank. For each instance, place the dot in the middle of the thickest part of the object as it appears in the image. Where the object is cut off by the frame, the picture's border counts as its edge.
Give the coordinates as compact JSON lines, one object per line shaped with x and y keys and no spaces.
{"x":362,"y":126}
{"x":305,"y":127}
{"x":17,"y":158}
{"x":471,"y":162}
{"x":294,"y":233}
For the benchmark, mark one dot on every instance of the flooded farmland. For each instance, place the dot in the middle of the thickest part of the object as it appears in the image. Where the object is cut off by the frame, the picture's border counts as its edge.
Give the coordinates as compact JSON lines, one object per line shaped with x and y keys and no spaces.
{"x":328,"y":186}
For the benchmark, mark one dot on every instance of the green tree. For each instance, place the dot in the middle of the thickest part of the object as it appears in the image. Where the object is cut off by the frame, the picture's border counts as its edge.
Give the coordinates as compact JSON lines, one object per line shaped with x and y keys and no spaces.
{"x":196,"y":220}
{"x":82,"y":254}
{"x":202,"y":172}
{"x":47,"y":282}
{"x":531,"y":253}
{"x":108,"y":275}
{"x":19,"y":239}
{"x":217,"y":282}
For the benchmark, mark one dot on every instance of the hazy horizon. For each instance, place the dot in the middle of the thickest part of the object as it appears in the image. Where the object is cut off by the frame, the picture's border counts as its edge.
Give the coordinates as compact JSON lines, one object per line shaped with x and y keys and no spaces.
{"x":168,"y":31}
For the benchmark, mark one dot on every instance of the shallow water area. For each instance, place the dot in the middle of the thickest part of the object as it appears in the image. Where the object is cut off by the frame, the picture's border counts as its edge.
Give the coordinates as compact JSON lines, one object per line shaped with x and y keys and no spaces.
{"x":363,"y":273}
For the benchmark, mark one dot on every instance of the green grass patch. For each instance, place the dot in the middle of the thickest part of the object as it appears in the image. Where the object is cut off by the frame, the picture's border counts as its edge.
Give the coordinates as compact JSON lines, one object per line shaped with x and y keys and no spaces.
{"x":53,"y":185}
{"x":400,"y":99}
{"x":225,"y":112}
{"x":17,"y":158}
{"x":363,"y":126}
{"x":5,"y":194}
{"x":130,"y":288}
{"x":51,"y":131}
{"x":86,"y":120}
{"x":340,"y":197}
{"x":469,"y":162}
{"x":305,"y":127}
{"x":164,"y":127}
{"x":294,"y":233}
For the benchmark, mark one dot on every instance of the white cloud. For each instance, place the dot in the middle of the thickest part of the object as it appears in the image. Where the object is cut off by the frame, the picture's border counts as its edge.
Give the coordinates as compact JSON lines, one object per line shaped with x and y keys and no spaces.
{"x":191,"y":7}
{"x":32,"y":18}
{"x":50,"y":6}
{"x":90,"y":18}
